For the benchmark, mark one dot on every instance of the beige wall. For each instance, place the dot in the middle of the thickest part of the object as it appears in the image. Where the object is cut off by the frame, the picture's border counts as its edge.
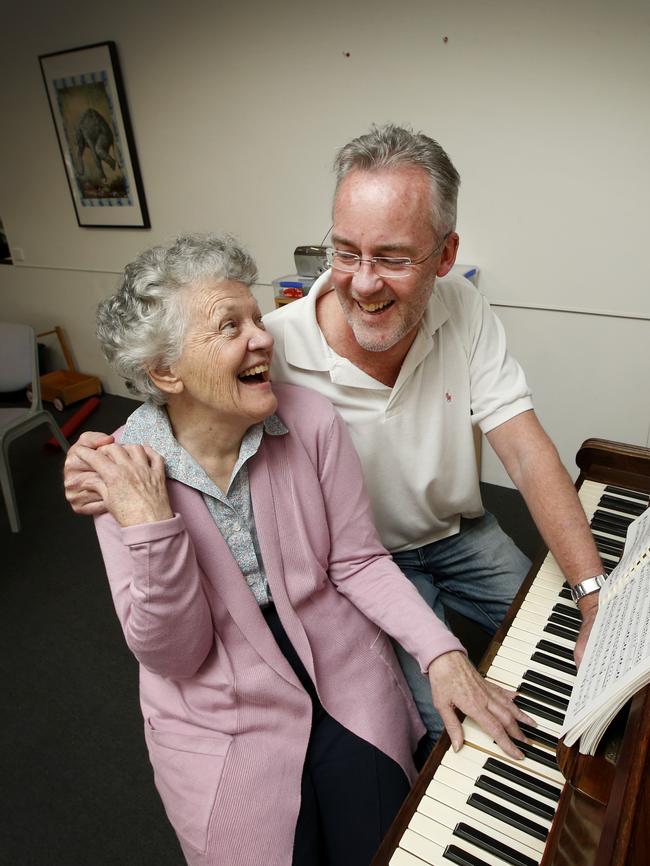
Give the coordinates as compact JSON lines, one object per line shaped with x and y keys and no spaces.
{"x":237,"y":110}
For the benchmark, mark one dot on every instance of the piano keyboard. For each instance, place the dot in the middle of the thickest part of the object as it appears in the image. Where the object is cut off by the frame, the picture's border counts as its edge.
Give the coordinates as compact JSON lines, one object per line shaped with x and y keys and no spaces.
{"x":482,"y":807}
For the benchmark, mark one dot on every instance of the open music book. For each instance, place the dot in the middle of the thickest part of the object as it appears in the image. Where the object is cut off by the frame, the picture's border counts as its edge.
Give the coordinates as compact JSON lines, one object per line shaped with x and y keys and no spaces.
{"x":616,"y":663}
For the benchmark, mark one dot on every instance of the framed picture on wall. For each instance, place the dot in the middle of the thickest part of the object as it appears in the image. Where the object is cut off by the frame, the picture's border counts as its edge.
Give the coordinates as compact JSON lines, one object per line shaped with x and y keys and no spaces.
{"x":88,"y":104}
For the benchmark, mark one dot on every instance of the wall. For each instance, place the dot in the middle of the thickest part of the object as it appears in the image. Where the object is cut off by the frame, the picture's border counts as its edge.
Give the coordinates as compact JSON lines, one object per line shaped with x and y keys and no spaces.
{"x":237,"y":111}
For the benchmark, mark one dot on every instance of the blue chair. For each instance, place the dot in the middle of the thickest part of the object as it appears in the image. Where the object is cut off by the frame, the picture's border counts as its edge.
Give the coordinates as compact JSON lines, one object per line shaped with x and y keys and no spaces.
{"x":18,"y":370}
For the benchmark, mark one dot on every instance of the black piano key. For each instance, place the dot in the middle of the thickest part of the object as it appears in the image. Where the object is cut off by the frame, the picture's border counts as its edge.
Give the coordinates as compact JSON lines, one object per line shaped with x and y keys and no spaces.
{"x":535,"y":754}
{"x":548,"y":682}
{"x":538,"y":735}
{"x":516,"y":797}
{"x":543,"y":695}
{"x":566,"y":622}
{"x":566,"y":610}
{"x":538,"y":710}
{"x":613,"y":543}
{"x":610,"y":523}
{"x":462,"y":858}
{"x":608,"y":545}
{"x":608,"y":514}
{"x":555,"y":649}
{"x":635,"y":508}
{"x":527,"y":780}
{"x":492,"y":846}
{"x":565,"y":593}
{"x":520,"y":822}
{"x":632,"y":494}
{"x":557,"y":664}
{"x":599,"y":526}
{"x":611,"y":557}
{"x":558,"y":631}
{"x":621,"y":520}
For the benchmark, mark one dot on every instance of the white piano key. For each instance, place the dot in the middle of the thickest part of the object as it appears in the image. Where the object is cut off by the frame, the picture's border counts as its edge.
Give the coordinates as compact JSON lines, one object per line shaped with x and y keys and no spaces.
{"x":588,"y":486}
{"x":424,"y":847}
{"x":503,"y":677}
{"x":539,"y":607}
{"x":532,"y":638}
{"x":538,"y":589}
{"x":540,"y":593}
{"x":405,"y":858}
{"x":543,"y":724}
{"x":478,"y":738}
{"x":549,"y":574}
{"x":529,"y":624}
{"x":526,"y":621}
{"x":470,"y":762}
{"x":508,"y":679}
{"x":517,"y":663}
{"x":466,"y":786}
{"x":523,"y":647}
{"x":605,"y":536}
{"x":439,"y":793}
{"x":424,"y":831}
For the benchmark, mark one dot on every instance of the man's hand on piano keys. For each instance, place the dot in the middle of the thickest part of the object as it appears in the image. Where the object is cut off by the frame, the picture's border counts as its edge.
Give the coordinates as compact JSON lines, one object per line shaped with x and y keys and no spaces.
{"x":456,"y":684}
{"x":588,"y":608}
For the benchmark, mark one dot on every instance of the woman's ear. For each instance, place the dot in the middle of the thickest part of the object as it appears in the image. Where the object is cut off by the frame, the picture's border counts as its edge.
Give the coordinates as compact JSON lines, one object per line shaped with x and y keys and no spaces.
{"x":166,"y":379}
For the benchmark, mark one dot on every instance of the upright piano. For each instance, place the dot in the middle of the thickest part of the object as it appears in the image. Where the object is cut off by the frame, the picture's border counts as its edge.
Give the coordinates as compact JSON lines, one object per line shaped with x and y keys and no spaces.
{"x":556,"y":807}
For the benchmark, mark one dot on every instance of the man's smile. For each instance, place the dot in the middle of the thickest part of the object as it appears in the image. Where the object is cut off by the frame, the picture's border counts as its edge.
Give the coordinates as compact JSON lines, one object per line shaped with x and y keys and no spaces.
{"x":376,"y":307}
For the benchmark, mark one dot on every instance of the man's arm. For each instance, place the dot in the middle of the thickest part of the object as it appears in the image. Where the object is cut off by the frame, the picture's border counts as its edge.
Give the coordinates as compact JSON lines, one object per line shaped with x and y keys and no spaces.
{"x":533,"y":464}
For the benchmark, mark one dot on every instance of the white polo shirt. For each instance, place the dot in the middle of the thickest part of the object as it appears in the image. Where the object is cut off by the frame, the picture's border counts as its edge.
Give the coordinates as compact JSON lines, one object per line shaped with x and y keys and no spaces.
{"x":415,"y":439}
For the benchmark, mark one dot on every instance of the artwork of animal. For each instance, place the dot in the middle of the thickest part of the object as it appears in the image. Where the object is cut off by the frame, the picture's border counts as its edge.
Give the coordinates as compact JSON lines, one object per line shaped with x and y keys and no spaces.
{"x":95,"y":134}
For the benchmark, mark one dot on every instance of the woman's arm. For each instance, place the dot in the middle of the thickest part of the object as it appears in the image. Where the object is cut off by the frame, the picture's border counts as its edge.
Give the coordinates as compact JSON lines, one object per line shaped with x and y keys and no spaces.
{"x":362,"y":571}
{"x":151,"y":564}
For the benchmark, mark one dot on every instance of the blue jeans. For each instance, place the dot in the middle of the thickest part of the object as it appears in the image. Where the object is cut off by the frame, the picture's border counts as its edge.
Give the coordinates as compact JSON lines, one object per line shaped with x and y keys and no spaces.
{"x":477,"y":573}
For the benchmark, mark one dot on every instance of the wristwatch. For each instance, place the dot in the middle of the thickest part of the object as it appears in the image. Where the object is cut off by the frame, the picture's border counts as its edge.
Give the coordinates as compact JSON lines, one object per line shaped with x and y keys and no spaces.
{"x":587,"y":586}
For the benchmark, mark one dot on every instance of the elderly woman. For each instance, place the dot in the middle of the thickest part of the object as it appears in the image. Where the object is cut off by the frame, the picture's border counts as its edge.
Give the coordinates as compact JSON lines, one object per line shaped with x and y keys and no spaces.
{"x":249,"y":581}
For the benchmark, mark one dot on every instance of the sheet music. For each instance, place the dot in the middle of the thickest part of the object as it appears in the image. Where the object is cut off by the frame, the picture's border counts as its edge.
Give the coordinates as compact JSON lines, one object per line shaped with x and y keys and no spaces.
{"x":617,"y":659}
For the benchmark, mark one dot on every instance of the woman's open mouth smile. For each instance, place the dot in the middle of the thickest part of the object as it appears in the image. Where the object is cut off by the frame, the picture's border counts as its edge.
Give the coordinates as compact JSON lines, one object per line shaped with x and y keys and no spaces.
{"x":257,"y":375}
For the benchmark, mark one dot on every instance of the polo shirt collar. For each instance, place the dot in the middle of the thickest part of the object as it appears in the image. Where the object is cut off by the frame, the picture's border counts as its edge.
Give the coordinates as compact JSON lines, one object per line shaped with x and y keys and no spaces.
{"x":303,"y":339}
{"x":150,"y":425}
{"x":304,"y":342}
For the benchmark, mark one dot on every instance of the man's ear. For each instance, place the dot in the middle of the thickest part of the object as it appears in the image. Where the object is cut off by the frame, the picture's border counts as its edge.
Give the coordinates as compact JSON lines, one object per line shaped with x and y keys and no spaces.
{"x":448,"y":256}
{"x":166,"y":379}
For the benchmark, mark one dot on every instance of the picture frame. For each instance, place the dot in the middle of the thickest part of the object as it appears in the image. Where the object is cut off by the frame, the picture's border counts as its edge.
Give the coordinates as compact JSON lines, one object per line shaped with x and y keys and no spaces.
{"x":90,"y":113}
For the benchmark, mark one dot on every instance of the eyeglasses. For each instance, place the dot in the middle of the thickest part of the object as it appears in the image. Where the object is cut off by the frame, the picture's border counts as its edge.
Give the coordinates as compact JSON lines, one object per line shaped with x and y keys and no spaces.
{"x":383,"y":266}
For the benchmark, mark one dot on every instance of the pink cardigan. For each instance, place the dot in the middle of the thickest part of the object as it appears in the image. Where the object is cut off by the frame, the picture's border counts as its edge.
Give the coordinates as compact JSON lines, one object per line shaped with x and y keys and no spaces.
{"x":226,"y":720}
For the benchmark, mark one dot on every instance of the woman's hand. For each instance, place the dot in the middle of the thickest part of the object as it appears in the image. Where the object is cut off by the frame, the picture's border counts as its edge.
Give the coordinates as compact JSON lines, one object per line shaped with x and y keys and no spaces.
{"x":129,"y":480}
{"x":79,"y":480}
{"x":456,"y":684}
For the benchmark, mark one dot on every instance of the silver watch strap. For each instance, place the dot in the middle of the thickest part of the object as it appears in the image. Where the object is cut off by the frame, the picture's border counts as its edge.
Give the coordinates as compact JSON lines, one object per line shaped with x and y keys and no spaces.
{"x":587,"y":586}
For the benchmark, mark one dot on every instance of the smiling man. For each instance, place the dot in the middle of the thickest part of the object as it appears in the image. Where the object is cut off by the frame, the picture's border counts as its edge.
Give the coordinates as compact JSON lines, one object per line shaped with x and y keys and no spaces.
{"x":413,"y":357}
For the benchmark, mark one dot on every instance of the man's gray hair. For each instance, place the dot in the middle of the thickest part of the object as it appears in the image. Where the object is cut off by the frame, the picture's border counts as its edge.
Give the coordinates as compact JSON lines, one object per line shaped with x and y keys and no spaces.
{"x":143,"y":324}
{"x":393,"y":146}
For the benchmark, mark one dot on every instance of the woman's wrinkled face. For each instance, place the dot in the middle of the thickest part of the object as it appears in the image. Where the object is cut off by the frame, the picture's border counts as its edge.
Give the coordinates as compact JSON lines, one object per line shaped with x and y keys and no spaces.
{"x":224,"y":365}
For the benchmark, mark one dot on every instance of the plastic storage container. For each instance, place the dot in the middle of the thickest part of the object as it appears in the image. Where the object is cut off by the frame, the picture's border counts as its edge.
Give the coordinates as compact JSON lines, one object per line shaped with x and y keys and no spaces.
{"x":291,"y":287}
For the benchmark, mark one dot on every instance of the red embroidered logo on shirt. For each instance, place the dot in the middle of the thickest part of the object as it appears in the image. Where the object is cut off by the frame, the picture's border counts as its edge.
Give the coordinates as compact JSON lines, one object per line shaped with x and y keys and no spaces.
{"x":448,"y":397}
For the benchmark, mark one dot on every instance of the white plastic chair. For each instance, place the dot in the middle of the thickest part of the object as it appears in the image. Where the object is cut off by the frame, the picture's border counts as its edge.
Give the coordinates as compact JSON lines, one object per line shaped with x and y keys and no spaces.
{"x":19,"y":369}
